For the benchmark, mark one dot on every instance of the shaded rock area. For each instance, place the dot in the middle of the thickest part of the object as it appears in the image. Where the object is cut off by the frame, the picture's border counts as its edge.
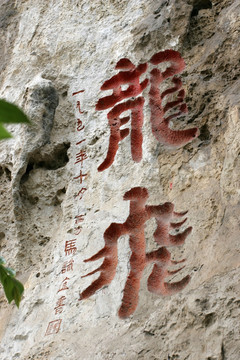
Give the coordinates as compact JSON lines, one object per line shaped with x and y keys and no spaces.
{"x":50,"y":50}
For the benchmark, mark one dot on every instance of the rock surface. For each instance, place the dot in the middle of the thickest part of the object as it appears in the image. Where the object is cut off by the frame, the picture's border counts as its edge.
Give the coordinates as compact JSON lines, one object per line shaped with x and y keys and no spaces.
{"x":51,"y":49}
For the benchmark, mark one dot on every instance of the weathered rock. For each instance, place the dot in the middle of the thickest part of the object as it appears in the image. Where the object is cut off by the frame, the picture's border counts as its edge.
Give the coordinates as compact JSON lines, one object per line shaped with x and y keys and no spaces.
{"x":50,"y":50}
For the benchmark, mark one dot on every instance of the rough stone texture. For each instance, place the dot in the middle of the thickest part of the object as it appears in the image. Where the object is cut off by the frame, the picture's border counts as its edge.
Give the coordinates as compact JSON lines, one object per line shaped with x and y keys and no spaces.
{"x":50,"y":49}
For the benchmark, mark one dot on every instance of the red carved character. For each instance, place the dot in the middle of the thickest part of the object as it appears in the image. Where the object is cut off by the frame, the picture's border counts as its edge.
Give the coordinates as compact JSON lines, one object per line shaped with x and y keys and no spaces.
{"x":77,"y":230}
{"x":160,"y":123}
{"x":161,"y":258}
{"x":70,"y":247}
{"x":81,"y":192}
{"x":67,"y":266}
{"x":79,"y":107}
{"x":81,"y":156}
{"x":78,"y":219}
{"x":80,"y":176}
{"x":80,"y":125}
{"x":64,"y":285}
{"x":77,"y":92}
{"x":59,"y":306}
{"x":79,"y":142}
{"x":53,"y":327}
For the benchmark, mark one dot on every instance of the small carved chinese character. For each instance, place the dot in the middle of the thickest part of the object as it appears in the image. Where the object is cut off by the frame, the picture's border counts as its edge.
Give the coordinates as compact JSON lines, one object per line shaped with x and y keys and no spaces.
{"x":81,"y":192}
{"x":77,"y":92}
{"x":53,"y":327}
{"x":59,"y":306}
{"x":80,"y":125}
{"x":67,"y":266}
{"x":79,"y":107}
{"x":70,"y":247}
{"x":77,"y":230}
{"x":64,"y":285}
{"x":81,"y":156}
{"x":80,"y":176}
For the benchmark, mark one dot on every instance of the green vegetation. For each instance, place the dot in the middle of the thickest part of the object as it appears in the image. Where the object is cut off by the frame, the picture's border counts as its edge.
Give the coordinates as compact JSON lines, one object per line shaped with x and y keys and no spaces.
{"x":12,"y":287}
{"x":10,"y":113}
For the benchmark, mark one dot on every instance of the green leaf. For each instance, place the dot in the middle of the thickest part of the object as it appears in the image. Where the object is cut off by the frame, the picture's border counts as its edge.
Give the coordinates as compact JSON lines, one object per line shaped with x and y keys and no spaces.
{"x":17,"y":291}
{"x":10,"y":271}
{"x":8,"y":286}
{"x":4,"y":134}
{"x":10,"y":113}
{"x":12,"y":287}
{"x":3,"y":274}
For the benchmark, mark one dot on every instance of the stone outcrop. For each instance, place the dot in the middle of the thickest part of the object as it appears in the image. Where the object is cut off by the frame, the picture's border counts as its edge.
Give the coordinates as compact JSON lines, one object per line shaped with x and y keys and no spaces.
{"x":51,"y":50}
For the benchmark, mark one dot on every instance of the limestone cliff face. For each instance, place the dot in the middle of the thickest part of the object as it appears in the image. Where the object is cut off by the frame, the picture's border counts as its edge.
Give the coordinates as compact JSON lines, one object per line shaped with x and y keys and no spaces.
{"x":51,"y":49}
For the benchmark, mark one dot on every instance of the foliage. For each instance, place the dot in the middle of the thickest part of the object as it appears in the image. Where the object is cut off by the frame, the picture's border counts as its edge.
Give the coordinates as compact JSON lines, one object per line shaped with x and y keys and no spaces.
{"x":10,"y":113}
{"x":12,"y":287}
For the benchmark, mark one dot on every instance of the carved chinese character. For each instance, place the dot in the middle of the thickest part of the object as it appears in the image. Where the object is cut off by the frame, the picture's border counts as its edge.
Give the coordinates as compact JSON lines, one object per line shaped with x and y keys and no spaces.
{"x":53,"y":327}
{"x":78,"y":219}
{"x":59,"y":306}
{"x":161,"y":258}
{"x":79,"y":142}
{"x":79,"y":107}
{"x":81,"y":192}
{"x":67,"y":266}
{"x":77,"y":92}
{"x":160,"y":116}
{"x":64,"y":285}
{"x":70,"y":247}
{"x":77,"y":230}
{"x":80,"y":176}
{"x":80,"y":125}
{"x":81,"y":156}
